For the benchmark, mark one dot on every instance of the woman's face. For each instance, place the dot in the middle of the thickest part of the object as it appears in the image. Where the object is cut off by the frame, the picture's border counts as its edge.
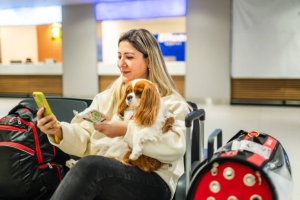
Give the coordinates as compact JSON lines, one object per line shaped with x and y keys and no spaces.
{"x":131,"y":62}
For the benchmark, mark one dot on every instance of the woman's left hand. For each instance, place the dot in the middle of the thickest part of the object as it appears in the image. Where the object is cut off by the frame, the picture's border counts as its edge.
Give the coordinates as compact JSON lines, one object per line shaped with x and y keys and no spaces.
{"x":112,"y":128}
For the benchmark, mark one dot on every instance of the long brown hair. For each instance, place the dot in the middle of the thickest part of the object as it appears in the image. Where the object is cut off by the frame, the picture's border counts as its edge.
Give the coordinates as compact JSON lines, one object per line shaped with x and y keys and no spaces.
{"x":144,"y":41}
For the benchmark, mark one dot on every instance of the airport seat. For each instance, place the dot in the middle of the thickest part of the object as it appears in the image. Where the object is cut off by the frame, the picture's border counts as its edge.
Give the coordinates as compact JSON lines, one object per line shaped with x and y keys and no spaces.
{"x":63,"y":107}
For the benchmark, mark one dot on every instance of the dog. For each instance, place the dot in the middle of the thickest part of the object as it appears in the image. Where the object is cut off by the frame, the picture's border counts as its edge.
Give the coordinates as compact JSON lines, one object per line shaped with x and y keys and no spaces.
{"x":142,"y":103}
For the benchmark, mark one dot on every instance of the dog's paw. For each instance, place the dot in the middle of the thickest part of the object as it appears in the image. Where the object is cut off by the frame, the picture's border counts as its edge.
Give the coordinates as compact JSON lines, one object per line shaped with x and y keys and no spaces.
{"x":149,"y":139}
{"x":168,"y":124}
{"x":135,"y":155}
{"x":148,"y":136}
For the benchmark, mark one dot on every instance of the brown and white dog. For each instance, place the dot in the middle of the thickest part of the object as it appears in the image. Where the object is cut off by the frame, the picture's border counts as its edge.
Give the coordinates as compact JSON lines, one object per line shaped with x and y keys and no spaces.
{"x":142,"y":103}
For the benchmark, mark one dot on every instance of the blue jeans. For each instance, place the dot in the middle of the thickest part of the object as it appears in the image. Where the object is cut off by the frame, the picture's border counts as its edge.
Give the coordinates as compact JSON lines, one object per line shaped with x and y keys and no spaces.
{"x":97,"y":177}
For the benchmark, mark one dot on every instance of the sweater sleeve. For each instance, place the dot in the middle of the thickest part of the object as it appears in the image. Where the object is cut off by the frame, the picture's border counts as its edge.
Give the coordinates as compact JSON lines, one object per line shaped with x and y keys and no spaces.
{"x":78,"y":135}
{"x":171,"y":145}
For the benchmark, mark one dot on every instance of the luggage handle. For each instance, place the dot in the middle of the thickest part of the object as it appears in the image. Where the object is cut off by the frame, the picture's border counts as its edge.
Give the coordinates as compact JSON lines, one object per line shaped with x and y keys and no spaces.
{"x":198,"y":114}
{"x":217,"y":133}
{"x":194,"y":115}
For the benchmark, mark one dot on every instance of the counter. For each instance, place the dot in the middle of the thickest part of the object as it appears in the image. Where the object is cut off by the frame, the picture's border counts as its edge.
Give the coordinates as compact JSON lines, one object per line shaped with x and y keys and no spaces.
{"x":22,"y":79}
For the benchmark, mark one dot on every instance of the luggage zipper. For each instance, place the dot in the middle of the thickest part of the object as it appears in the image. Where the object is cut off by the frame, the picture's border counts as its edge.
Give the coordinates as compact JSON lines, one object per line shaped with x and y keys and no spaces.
{"x":18,"y":119}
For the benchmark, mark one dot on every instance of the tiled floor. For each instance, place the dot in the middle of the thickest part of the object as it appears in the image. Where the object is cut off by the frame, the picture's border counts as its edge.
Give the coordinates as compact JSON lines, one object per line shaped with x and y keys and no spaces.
{"x":282,"y":123}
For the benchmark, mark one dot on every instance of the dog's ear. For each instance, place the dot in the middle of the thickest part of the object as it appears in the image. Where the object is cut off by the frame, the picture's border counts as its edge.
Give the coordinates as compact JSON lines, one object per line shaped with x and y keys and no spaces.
{"x":148,"y":109}
{"x":123,"y":106}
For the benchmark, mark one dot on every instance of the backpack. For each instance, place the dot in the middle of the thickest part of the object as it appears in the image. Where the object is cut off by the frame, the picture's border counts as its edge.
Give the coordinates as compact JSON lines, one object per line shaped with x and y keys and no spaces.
{"x":29,"y":166}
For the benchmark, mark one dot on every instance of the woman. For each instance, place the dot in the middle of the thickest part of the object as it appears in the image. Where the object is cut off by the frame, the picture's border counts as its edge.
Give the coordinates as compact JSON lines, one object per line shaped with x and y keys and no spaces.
{"x":98,"y":177}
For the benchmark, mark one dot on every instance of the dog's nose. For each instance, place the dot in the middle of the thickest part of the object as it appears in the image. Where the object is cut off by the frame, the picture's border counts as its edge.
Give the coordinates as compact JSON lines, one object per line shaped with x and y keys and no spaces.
{"x":129,"y":97}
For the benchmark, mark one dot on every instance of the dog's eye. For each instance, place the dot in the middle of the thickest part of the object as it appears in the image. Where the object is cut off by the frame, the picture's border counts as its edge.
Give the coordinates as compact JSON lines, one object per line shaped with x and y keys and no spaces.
{"x":138,"y":92}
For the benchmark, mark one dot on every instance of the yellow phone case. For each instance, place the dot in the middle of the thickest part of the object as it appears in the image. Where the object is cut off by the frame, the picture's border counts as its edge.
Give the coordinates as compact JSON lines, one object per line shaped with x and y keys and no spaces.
{"x":41,"y":101}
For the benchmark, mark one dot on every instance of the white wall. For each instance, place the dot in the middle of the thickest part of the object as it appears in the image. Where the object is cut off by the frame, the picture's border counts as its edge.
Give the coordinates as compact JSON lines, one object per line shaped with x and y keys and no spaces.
{"x":266,"y":39}
{"x":18,"y":43}
{"x":208,"y":50}
{"x":111,"y":31}
{"x":80,"y":77}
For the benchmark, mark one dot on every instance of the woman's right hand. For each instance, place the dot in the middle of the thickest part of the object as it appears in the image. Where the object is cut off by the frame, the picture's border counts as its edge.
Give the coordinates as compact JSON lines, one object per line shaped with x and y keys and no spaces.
{"x":48,"y":124}
{"x":112,"y":128}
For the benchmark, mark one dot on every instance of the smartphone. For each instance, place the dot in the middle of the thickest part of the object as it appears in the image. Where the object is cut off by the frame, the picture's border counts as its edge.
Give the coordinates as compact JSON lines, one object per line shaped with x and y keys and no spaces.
{"x":41,"y":101}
